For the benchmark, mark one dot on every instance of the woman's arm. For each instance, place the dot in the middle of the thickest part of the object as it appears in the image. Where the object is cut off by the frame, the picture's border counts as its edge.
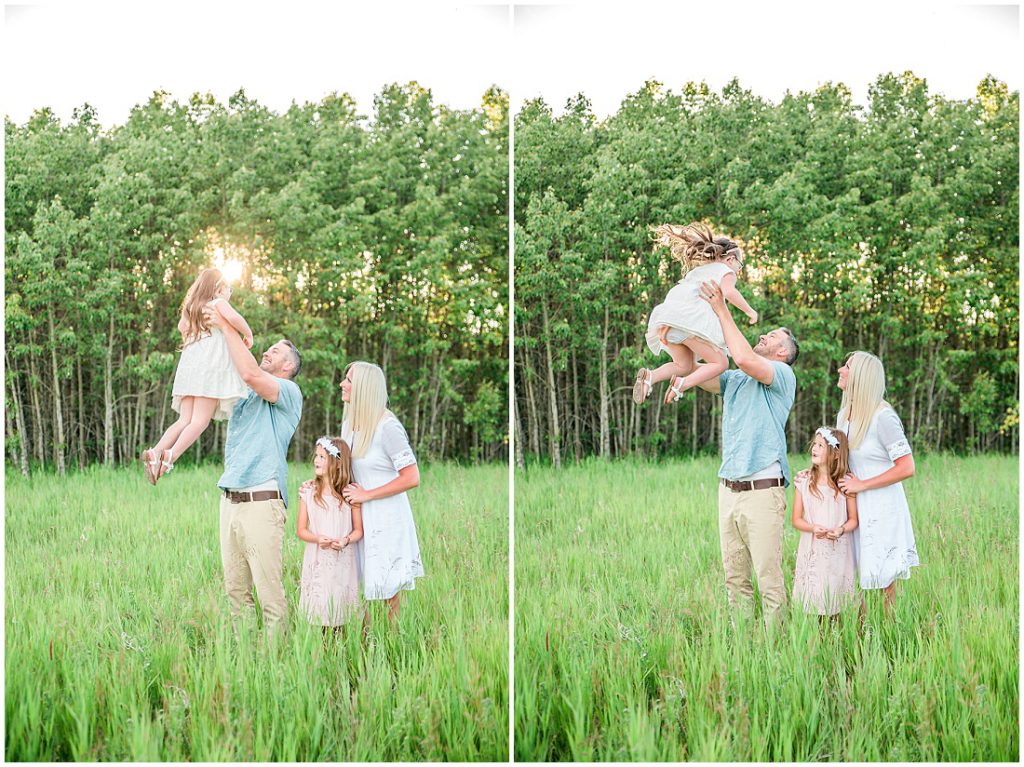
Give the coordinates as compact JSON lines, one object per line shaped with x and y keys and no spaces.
{"x":734,"y":297}
{"x":903,"y":469}
{"x":408,"y":478}
{"x":236,"y":320}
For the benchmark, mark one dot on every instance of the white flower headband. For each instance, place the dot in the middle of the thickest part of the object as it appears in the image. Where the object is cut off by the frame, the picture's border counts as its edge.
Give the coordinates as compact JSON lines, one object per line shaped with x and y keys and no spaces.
{"x":828,"y":436}
{"x":330,"y":447}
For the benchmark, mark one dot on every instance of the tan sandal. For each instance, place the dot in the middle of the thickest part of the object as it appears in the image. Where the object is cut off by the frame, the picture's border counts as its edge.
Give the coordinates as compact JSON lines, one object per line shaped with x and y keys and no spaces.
{"x":166,"y":463}
{"x":642,"y":386}
{"x":675,"y":391}
{"x":151,"y":464}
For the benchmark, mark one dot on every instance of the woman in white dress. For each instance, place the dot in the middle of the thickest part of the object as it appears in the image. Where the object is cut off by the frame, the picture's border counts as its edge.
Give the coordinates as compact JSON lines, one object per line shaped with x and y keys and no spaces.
{"x":384,"y":468}
{"x":880,"y":459}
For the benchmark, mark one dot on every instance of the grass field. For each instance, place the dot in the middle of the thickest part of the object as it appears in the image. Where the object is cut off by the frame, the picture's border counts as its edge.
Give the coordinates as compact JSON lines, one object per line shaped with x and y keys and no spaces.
{"x":623,"y":649}
{"x":119,"y":644}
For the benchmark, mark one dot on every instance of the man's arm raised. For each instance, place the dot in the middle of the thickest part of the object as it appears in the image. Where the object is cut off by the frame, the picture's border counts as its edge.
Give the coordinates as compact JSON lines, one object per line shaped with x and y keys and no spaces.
{"x":260,"y":381}
{"x":743,"y":355}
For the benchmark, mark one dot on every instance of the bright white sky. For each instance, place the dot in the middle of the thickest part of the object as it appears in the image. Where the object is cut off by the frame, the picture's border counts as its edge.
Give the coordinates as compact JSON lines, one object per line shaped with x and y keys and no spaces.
{"x":114,"y":56}
{"x":608,"y":51}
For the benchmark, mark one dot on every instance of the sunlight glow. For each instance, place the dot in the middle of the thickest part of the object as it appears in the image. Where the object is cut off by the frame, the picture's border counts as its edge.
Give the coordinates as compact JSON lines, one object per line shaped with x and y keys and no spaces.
{"x":232,"y":268}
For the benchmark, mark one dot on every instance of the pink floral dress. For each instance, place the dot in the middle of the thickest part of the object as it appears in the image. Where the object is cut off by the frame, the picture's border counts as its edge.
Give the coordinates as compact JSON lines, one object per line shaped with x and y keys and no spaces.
{"x":824,"y":568}
{"x":329,"y":593}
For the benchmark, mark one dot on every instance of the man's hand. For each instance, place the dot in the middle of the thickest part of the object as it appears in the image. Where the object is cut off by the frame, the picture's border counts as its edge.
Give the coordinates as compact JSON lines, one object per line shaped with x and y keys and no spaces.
{"x":752,"y":316}
{"x":213,"y":318}
{"x":712,"y":293}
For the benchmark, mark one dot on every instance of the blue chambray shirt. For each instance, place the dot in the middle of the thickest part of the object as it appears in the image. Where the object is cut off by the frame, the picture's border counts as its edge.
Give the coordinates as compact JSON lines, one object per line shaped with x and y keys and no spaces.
{"x":258,"y":436}
{"x":754,"y":421}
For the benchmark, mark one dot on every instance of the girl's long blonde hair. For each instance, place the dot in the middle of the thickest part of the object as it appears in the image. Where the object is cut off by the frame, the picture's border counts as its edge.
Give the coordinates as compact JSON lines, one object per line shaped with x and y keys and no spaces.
{"x":203,"y":290}
{"x":337,"y":473}
{"x":694,"y":245}
{"x":367,"y":405}
{"x":865,"y":386}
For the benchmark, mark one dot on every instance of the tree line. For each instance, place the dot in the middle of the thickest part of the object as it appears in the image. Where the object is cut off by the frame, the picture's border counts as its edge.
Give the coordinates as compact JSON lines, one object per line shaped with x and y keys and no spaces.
{"x":382,"y":239}
{"x":891,"y":228}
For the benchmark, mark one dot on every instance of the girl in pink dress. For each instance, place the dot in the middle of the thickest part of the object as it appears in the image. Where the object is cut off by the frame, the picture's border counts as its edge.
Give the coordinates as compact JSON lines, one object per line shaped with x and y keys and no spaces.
{"x":329,"y":593}
{"x":824,"y":515}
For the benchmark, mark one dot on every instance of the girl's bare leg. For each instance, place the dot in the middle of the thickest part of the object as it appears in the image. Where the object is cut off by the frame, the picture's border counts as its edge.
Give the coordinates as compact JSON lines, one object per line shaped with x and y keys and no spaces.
{"x":203,"y":409}
{"x":393,"y":605}
{"x":889,"y":597}
{"x":682,"y":363}
{"x":715,"y":360}
{"x":176,"y":428}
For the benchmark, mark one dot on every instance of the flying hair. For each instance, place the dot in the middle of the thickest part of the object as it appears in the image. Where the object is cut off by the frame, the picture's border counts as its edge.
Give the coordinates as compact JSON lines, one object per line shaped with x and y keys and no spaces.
{"x":695,"y":245}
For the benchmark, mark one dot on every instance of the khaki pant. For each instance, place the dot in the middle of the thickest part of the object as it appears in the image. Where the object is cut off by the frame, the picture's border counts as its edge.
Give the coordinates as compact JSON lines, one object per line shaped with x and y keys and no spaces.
{"x":750,"y":530}
{"x":251,"y":537}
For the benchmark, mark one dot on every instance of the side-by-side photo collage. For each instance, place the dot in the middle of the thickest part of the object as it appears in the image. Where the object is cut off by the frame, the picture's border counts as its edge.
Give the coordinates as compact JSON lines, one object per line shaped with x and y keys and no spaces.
{"x":505,"y":383}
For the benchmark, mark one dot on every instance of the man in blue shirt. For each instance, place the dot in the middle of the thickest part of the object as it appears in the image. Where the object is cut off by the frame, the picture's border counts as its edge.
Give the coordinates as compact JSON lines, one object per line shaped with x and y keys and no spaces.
{"x":254,"y":483}
{"x":756,"y":400}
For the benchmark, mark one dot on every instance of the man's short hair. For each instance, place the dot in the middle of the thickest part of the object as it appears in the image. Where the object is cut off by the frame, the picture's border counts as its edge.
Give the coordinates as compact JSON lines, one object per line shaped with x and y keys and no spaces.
{"x":793,"y":348}
{"x":296,"y":358}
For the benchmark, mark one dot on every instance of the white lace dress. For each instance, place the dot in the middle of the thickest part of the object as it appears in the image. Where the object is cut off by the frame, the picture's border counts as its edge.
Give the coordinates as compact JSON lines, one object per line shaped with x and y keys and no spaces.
{"x":686,"y":313}
{"x":389,"y":554}
{"x":329,"y":592}
{"x":206,"y":370}
{"x":883,"y":543}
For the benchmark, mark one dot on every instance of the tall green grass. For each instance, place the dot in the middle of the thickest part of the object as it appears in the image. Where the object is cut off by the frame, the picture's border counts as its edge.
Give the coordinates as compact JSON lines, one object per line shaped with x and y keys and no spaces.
{"x":624,"y":650}
{"x":120,"y":645}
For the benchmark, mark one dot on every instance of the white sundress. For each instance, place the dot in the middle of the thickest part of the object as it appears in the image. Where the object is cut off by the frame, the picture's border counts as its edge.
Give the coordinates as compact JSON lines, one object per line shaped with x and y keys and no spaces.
{"x":206,"y":370}
{"x":686,"y":313}
{"x":389,"y":553}
{"x":883,"y":543}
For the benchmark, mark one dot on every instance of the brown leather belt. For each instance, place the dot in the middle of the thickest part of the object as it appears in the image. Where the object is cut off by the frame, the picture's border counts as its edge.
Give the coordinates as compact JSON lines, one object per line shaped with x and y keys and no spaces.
{"x":262,"y":495}
{"x":757,"y":484}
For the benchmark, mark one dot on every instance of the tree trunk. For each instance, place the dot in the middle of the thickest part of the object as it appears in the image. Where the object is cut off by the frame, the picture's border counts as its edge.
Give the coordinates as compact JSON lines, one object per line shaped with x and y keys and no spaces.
{"x":82,"y":453}
{"x":108,"y":398}
{"x":554,"y":437}
{"x":58,"y":412}
{"x":604,"y":394}
{"x":19,"y":417}
{"x":518,"y":438}
{"x":39,"y":441}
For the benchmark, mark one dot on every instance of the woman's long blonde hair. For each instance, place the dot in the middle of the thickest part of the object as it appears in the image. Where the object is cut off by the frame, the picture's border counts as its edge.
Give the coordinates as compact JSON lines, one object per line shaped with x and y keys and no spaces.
{"x":203,"y":290}
{"x":367,"y":404}
{"x":865,"y":386}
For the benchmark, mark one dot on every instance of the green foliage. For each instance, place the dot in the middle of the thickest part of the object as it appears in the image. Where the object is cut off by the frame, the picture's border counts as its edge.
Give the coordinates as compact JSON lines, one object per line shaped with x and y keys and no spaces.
{"x":891,"y":228}
{"x":382,"y":239}
{"x":120,"y":646}
{"x":624,"y":650}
